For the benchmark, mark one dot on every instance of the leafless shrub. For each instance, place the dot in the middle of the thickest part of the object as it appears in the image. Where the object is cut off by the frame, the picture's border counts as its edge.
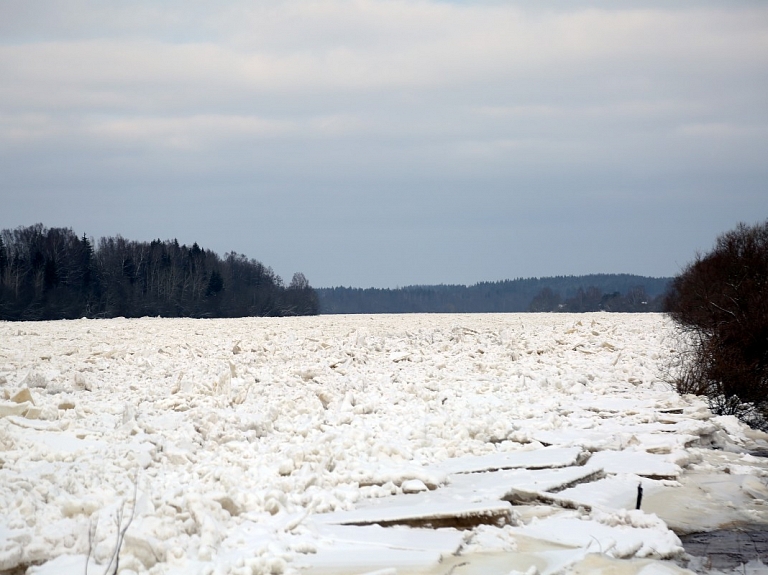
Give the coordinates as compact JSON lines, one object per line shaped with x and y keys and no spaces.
{"x":720,"y":304}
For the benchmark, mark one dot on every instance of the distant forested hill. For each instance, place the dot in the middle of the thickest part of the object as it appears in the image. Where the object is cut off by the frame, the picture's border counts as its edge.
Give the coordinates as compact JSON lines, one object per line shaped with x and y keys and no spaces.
{"x":51,"y":273}
{"x":608,"y":292}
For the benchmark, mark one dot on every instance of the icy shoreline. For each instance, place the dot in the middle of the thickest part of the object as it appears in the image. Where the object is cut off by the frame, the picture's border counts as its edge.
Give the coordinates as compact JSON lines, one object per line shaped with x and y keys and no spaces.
{"x":253,"y":439}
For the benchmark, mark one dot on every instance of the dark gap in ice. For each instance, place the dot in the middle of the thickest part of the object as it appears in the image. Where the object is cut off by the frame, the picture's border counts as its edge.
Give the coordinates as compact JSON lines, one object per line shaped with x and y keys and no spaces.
{"x":660,"y":477}
{"x":464,"y":523}
{"x":522,"y":497}
{"x":599,"y":474}
{"x":728,"y":548}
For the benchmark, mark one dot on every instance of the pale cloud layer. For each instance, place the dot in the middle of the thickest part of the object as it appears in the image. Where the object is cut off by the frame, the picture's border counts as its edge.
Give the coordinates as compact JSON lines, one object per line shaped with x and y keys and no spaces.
{"x":391,"y":142}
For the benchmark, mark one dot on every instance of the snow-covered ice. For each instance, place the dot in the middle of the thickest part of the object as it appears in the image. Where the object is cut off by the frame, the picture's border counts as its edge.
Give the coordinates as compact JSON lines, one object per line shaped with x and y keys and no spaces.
{"x":360,"y":444}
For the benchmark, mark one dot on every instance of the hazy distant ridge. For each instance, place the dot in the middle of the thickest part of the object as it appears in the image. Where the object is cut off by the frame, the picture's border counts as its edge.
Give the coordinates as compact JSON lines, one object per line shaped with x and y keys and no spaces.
{"x":609,"y":292}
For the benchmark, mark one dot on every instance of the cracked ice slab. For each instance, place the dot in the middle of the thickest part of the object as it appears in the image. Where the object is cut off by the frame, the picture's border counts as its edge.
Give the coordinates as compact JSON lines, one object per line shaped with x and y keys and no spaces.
{"x":656,"y":438}
{"x":435,"y":509}
{"x":618,"y":492}
{"x":469,"y":499}
{"x":636,"y":462}
{"x":499,"y":484}
{"x":620,"y":535}
{"x":363,"y":548}
{"x":445,"y":541}
{"x":547,"y":457}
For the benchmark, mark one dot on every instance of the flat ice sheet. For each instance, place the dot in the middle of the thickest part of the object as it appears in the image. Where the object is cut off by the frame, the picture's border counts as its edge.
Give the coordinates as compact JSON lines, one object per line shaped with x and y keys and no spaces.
{"x":524,"y":459}
{"x":636,"y":461}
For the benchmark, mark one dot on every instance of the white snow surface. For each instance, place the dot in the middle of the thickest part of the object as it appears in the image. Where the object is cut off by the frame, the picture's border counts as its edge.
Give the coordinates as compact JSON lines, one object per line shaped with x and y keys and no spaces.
{"x":266,"y":445}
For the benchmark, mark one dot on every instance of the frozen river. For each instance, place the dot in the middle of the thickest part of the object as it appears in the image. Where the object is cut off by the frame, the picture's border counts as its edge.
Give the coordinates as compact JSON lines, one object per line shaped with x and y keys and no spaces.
{"x":358,"y":444}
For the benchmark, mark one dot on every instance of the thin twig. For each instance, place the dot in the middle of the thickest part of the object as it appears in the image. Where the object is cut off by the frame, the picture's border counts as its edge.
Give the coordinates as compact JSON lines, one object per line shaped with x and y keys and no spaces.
{"x":121,"y":530}
{"x":92,"y":525}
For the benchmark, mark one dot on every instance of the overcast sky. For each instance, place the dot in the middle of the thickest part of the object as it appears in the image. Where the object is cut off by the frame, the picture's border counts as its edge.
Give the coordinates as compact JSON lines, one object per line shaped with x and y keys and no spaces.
{"x":389,"y":143}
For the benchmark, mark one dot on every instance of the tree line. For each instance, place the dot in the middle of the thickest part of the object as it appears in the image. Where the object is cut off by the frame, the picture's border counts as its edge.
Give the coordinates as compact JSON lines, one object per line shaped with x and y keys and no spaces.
{"x":635,"y":300}
{"x":596,"y":292}
{"x":52,"y":273}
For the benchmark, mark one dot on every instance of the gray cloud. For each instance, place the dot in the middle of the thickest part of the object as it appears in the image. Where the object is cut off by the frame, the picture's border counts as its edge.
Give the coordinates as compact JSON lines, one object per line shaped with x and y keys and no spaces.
{"x":389,"y":143}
